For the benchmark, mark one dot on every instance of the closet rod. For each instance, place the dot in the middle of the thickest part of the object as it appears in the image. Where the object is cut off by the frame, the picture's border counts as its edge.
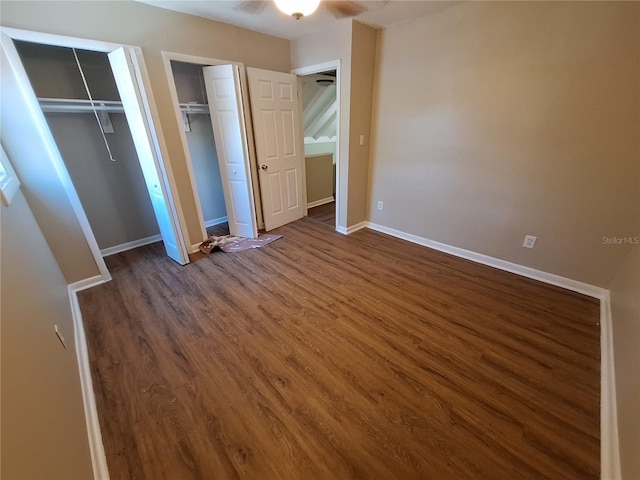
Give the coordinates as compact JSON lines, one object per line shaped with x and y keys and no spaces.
{"x":194,"y":108}
{"x":95,"y":112}
{"x":68,"y":105}
{"x":63,"y":105}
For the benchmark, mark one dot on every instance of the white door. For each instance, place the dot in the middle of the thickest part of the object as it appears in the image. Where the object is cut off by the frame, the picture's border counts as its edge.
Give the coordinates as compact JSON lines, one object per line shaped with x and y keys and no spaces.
{"x":227,"y":119}
{"x":278,"y":135}
{"x":141,"y":131}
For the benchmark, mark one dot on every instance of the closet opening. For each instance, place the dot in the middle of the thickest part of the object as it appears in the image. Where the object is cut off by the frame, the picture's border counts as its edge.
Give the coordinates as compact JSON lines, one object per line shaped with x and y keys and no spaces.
{"x":201,"y":145}
{"x":210,"y":98}
{"x":96,"y":112}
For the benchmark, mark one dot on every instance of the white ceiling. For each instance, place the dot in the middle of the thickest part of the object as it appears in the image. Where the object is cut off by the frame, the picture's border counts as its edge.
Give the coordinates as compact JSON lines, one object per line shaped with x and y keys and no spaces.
{"x":268,"y":19}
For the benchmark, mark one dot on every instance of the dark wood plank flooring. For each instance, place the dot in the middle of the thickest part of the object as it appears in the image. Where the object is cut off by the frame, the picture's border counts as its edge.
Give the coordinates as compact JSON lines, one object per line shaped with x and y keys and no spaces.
{"x":220,"y":229}
{"x":324,"y":214}
{"x":322,"y":356}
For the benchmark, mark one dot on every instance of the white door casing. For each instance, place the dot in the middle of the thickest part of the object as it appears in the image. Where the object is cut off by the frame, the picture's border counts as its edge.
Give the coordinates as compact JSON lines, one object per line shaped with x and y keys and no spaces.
{"x":280,"y":153}
{"x":126,"y":81}
{"x":222,"y":84}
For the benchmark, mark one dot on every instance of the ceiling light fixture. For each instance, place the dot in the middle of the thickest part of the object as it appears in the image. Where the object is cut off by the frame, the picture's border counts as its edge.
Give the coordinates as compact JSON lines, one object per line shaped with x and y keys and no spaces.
{"x":297,"y":8}
{"x":324,"y":82}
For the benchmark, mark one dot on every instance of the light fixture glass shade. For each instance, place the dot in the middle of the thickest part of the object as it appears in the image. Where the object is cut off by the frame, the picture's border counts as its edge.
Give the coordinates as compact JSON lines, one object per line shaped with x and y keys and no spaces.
{"x":297,"y":8}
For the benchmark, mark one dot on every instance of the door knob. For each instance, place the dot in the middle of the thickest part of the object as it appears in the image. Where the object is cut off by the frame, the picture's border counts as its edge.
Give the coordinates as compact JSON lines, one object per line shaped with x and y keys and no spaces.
{"x":264,"y":167}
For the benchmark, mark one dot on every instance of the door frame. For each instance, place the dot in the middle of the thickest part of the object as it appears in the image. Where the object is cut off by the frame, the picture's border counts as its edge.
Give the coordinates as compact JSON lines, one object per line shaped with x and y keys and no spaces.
{"x":167,"y":57}
{"x":164,"y":168}
{"x":319,"y":68}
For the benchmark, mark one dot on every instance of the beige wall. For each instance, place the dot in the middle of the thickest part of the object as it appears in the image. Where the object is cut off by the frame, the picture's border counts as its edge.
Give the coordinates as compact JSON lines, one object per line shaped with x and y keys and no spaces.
{"x":498,"y":119}
{"x":321,"y":47}
{"x":154,"y":29}
{"x":354,"y":45}
{"x":363,"y":57}
{"x":43,"y":426}
{"x":625,"y":311}
{"x":319,"y":177}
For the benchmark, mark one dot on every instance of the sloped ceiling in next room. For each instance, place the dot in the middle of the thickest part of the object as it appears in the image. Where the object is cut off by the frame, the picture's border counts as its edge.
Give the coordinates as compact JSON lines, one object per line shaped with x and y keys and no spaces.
{"x":320,"y":106}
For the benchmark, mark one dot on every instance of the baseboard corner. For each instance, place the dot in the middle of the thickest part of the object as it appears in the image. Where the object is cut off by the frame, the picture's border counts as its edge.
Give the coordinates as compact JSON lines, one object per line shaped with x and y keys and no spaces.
{"x":89,"y":282}
{"x":352,"y":228}
{"x":610,"y":467}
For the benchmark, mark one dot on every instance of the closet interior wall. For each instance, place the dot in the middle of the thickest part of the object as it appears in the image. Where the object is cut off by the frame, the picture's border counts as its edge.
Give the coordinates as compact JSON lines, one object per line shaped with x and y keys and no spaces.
{"x":189,"y":81}
{"x":113,"y":193}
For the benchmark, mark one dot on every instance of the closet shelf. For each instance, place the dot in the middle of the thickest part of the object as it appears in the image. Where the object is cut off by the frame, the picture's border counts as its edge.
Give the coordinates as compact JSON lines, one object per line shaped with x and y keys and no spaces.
{"x":66,"y":105}
{"x":194,"y":108}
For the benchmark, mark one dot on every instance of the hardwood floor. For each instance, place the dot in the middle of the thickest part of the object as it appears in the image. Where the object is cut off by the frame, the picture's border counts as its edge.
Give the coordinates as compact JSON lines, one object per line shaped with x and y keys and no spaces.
{"x":220,"y":229}
{"x":324,"y":214}
{"x":322,"y":356}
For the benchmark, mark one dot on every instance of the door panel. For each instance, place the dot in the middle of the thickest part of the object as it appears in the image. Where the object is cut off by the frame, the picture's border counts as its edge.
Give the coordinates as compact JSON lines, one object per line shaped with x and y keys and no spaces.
{"x":292,"y":188}
{"x":270,"y":140}
{"x":278,"y":134}
{"x":275,"y":190}
{"x":222,"y":83}
{"x":141,"y":131}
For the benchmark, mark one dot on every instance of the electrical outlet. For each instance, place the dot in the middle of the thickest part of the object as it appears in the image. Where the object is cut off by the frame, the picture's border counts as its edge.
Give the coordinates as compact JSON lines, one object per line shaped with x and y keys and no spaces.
{"x":529,"y":241}
{"x":380,"y":205}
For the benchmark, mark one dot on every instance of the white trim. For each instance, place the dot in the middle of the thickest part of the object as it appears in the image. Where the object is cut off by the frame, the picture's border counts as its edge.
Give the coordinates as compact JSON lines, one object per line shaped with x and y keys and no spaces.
{"x":173,"y":93}
{"x":96,"y":447}
{"x":609,"y":440}
{"x":163,"y":165}
{"x":46,"y":136}
{"x":338,"y":161}
{"x":317,"y":68}
{"x":87,"y":283}
{"x":123,"y":247}
{"x":352,"y":228}
{"x":528,"y":272}
{"x":216,"y":221}
{"x":60,"y":40}
{"x":9,"y":183}
{"x":322,"y":201}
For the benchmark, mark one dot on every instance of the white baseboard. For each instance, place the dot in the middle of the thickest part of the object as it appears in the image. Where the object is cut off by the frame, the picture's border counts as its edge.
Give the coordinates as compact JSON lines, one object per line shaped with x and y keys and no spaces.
{"x":215,"y":221}
{"x":88,"y":283}
{"x":609,"y":442}
{"x":352,"y":228}
{"x":322,"y":201}
{"x":528,"y":272}
{"x":123,"y":247}
{"x":96,"y":447}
